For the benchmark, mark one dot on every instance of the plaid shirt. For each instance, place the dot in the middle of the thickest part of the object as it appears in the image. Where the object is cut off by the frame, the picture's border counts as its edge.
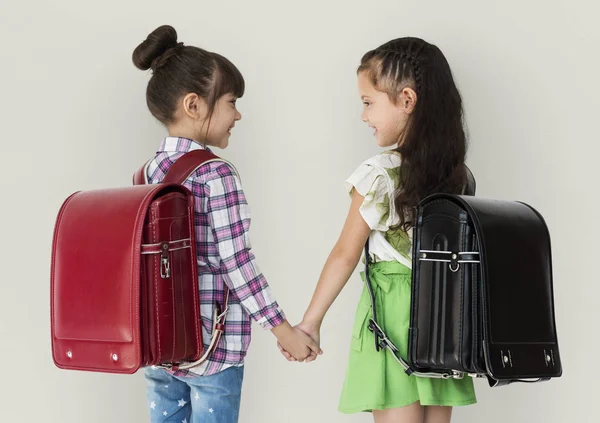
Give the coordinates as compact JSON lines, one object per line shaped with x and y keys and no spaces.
{"x":222,"y":221}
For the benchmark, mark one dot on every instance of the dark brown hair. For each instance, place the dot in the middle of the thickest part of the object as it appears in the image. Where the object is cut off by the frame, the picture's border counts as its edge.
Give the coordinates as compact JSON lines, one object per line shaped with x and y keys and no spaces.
{"x":178,"y":70}
{"x":433,"y":145}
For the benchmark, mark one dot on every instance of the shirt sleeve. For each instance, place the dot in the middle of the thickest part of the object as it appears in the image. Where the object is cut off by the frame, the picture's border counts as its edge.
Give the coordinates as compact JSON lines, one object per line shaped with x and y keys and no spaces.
{"x":370,"y":182}
{"x":229,"y":218}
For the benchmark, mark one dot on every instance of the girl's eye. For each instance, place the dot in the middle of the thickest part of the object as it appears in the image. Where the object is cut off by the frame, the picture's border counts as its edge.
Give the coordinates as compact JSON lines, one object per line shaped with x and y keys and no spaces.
{"x":366,"y":103}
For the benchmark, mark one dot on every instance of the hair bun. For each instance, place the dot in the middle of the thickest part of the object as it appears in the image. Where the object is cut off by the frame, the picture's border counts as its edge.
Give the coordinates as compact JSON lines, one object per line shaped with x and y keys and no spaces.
{"x":158,"y":42}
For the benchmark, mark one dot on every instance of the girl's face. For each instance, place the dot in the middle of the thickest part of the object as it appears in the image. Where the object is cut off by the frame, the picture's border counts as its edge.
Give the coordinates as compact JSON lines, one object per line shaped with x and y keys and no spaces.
{"x":387,"y":119}
{"x":222,"y":122}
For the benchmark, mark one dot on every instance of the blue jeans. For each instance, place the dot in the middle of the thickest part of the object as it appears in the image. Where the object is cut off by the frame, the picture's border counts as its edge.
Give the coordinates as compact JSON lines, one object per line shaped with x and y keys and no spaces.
{"x":194,"y":399}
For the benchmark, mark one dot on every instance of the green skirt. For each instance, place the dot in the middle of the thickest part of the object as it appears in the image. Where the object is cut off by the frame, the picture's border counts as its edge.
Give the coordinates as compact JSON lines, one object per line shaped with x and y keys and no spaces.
{"x":375,"y":380}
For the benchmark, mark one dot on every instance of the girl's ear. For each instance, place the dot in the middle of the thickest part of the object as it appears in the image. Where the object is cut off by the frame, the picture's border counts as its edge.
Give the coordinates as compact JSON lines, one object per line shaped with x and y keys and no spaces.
{"x":194,"y":106}
{"x":408,"y":100}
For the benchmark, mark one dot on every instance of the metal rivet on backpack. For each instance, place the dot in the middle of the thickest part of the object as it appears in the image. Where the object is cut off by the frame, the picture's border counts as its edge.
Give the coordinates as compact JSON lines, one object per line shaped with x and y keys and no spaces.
{"x":165,"y":246}
{"x":115,"y":357}
{"x":548,"y":358}
{"x":423,"y":255}
{"x":69,"y":354}
{"x":454,"y":256}
{"x":506,"y":359}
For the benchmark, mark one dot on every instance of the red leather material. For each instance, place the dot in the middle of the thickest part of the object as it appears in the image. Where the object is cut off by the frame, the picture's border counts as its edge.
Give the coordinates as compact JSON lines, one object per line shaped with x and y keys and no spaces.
{"x":172,"y":318}
{"x":114,"y":309}
{"x":184,"y":166}
{"x":139,"y":177}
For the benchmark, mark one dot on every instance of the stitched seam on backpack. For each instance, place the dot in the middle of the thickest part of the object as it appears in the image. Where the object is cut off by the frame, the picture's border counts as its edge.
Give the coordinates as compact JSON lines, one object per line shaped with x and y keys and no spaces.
{"x":156,"y":273}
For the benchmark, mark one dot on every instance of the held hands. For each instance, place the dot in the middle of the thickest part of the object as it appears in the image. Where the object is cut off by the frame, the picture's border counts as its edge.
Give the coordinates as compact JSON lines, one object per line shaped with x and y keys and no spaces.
{"x":297,"y":344}
{"x":305,"y":332}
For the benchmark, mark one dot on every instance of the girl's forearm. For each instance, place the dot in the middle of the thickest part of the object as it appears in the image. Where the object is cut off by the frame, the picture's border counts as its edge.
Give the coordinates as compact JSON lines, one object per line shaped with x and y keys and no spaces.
{"x":336,"y":272}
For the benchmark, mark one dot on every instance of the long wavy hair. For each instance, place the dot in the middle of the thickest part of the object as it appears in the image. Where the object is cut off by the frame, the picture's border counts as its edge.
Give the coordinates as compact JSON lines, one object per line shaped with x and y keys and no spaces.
{"x":433,"y":145}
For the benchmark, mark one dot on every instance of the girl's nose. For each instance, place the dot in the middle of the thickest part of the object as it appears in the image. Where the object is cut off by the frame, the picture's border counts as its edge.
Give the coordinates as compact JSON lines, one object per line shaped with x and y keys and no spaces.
{"x":363,"y":116}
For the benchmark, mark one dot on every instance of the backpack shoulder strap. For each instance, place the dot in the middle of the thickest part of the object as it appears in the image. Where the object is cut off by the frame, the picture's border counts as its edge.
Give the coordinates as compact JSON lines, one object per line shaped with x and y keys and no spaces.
{"x":139,"y":177}
{"x":186,"y":165}
{"x":470,"y":184}
{"x":180,"y":170}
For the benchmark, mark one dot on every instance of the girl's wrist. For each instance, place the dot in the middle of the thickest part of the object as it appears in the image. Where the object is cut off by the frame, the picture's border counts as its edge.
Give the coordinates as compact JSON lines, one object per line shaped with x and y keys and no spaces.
{"x":282,"y":330}
{"x":312,"y":322}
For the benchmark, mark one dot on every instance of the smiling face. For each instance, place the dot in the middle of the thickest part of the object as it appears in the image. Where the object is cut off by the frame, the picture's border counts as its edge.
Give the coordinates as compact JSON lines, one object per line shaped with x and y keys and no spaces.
{"x":387,"y":118}
{"x":222,"y":122}
{"x":194,"y":120}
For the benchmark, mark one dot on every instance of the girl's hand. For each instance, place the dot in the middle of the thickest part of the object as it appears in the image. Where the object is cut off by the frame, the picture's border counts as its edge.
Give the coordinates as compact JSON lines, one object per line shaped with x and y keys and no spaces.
{"x":313,"y":331}
{"x":297,"y":344}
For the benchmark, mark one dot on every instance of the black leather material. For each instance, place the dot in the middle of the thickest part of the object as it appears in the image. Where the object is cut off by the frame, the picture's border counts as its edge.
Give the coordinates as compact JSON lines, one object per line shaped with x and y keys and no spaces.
{"x":444,"y":320}
{"x":470,"y":185}
{"x":495,"y":318}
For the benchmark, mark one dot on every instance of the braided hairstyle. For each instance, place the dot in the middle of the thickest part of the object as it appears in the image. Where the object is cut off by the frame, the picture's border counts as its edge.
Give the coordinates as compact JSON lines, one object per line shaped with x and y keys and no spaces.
{"x":433,"y":144}
{"x":178,"y":70}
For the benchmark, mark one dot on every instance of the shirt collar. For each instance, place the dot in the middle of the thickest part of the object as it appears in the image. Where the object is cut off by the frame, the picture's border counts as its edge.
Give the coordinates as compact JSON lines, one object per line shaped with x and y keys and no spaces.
{"x":179,"y":145}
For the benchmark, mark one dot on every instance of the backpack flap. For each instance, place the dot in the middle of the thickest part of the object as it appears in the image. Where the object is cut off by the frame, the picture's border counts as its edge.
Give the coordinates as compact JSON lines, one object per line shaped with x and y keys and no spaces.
{"x":95,"y":278}
{"x":517,"y":303}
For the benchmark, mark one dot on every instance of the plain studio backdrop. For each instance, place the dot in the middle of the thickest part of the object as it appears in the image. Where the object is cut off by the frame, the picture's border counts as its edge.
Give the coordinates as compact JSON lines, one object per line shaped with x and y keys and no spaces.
{"x":73,"y":113}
